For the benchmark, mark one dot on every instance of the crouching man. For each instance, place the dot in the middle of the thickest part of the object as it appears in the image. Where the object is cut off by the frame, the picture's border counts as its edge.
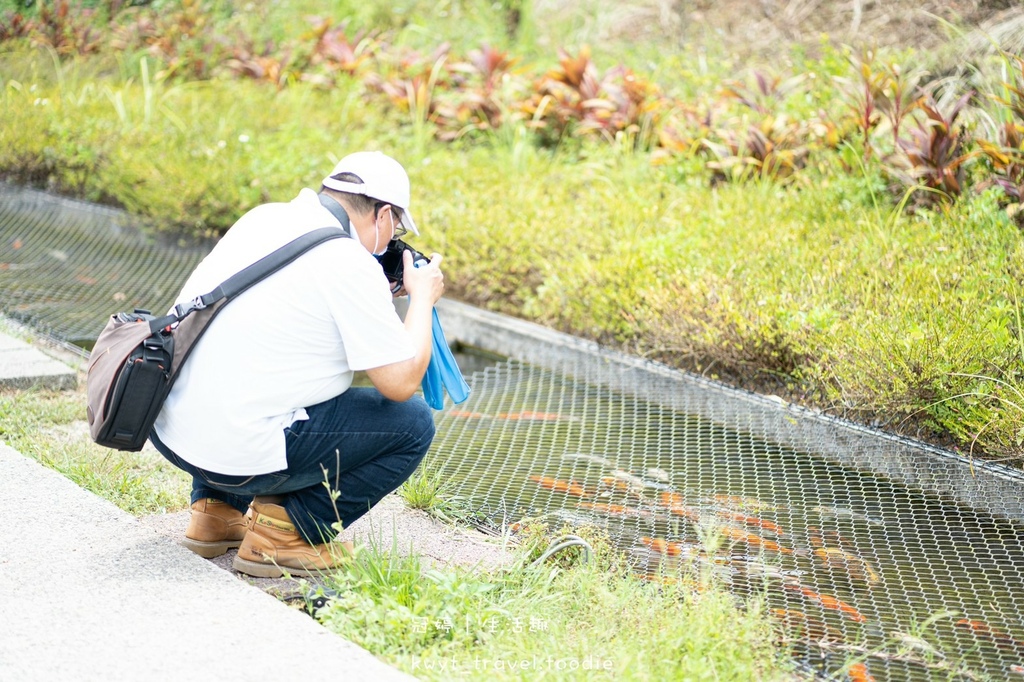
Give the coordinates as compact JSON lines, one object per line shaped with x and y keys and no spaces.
{"x":281,"y":448}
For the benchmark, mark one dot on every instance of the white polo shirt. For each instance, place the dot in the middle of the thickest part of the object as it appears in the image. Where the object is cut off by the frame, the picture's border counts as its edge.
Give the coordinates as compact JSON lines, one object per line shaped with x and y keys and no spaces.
{"x":289,"y":342}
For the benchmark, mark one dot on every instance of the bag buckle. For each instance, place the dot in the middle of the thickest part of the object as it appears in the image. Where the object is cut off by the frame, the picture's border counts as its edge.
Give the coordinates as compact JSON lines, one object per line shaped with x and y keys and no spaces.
{"x":183,"y":309}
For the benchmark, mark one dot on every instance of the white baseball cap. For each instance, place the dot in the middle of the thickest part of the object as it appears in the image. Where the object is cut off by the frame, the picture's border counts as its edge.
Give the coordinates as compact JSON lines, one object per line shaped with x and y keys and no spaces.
{"x":383,"y":178}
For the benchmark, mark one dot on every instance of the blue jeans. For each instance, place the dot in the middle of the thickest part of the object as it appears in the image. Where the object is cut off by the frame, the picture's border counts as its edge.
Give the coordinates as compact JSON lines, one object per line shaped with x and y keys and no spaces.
{"x":360,"y":443}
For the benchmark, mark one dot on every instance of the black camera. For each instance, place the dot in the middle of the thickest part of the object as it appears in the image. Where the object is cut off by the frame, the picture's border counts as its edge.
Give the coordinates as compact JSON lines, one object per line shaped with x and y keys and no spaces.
{"x":392,"y":263}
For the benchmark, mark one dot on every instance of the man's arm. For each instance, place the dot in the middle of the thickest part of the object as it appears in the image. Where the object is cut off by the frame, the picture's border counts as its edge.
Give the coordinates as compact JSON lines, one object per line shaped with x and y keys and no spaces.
{"x":425,"y":285}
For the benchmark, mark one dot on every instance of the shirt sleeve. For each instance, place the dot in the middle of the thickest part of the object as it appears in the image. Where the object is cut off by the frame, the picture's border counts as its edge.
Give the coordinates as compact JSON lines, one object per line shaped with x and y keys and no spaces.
{"x":363,"y":309}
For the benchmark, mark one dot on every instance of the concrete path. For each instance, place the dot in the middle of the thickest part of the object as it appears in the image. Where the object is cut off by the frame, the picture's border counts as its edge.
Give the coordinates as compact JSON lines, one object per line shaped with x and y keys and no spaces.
{"x":88,"y":592}
{"x":24,"y":366}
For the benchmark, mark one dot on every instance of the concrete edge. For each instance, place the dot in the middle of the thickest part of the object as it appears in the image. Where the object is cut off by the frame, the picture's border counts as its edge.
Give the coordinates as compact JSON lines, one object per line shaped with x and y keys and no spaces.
{"x":69,"y":354}
{"x":28,"y":361}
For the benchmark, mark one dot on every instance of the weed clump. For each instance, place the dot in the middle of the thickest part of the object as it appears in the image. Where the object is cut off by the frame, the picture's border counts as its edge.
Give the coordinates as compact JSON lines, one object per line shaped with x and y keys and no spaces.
{"x":559,"y":618}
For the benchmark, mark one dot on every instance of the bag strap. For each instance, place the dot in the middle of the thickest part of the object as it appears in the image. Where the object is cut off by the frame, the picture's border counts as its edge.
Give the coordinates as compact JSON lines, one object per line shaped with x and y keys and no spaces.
{"x":252,"y":274}
{"x":336,"y":209}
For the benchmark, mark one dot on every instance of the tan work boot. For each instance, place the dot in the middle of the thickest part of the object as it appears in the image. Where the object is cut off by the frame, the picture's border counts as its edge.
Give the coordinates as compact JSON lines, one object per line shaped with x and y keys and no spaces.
{"x":214,"y":528}
{"x":273,"y":546}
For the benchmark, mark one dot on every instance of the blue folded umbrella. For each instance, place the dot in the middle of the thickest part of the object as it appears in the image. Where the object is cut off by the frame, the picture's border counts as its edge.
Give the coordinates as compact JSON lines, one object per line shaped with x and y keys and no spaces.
{"x":443,"y":372}
{"x":433,"y":387}
{"x":451,"y":375}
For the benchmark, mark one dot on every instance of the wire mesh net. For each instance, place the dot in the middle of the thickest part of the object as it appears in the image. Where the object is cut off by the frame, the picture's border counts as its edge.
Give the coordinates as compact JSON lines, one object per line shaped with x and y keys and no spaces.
{"x":854,"y":566}
{"x":66,"y":266}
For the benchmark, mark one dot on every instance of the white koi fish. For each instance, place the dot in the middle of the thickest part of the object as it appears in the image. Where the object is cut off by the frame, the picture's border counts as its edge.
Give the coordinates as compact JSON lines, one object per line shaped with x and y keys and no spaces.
{"x":596,"y":459}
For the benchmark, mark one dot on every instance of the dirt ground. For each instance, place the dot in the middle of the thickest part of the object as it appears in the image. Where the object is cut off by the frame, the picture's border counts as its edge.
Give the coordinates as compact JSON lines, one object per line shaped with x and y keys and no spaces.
{"x":761,"y":27}
{"x":924,"y":24}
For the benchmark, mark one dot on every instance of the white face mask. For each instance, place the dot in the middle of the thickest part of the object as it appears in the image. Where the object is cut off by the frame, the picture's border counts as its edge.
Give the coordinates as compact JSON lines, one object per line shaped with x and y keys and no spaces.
{"x":376,"y":235}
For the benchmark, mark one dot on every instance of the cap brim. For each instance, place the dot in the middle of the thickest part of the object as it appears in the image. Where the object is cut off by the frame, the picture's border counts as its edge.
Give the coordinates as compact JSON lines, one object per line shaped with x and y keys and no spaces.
{"x":342,"y":186}
{"x":408,"y":223}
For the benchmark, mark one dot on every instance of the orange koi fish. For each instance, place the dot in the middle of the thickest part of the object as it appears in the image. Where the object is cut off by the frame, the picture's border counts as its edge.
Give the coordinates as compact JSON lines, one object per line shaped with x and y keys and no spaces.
{"x":997,"y":637}
{"x":558,"y":485}
{"x":616,"y":509}
{"x":811,"y":628}
{"x":671,"y":499}
{"x":1017,"y":669}
{"x":463,"y":414}
{"x":815,"y":536}
{"x":858,"y":672}
{"x":674,"y":502}
{"x":615,"y":483}
{"x":829,"y":602}
{"x":751,"y":521}
{"x":854,"y":566}
{"x":534,"y":416}
{"x":662,"y":546}
{"x":751,"y":504}
{"x":688,"y":513}
{"x":827,"y":537}
{"x":753,"y":539}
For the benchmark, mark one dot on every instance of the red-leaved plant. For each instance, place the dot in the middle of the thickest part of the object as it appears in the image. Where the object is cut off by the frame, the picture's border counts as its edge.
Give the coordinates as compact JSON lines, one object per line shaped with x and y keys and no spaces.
{"x":65,"y":31}
{"x":14,"y":25}
{"x":476,"y":101}
{"x":773,"y":148}
{"x":1006,"y":159}
{"x":1005,"y":155}
{"x":932,"y":157}
{"x":573,"y":99}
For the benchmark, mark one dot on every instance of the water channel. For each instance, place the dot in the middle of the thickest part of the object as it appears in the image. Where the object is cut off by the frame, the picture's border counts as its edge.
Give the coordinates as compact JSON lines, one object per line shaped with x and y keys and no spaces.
{"x":854,"y":566}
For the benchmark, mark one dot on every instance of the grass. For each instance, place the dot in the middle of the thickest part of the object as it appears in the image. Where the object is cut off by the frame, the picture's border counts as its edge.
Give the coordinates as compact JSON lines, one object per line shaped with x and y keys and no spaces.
{"x":79,"y":132}
{"x":428,"y":491}
{"x":813,"y":295}
{"x":423,"y":490}
{"x":821,"y":291}
{"x":551,"y":620}
{"x":49,"y":426}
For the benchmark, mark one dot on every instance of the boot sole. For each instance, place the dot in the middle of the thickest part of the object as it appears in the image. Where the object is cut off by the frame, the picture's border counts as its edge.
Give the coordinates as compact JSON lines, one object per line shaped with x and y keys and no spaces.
{"x":209,"y":550}
{"x":264,"y":570}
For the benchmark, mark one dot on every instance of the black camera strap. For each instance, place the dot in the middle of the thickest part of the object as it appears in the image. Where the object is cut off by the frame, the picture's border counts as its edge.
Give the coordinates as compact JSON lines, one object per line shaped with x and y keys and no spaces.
{"x":332,"y":205}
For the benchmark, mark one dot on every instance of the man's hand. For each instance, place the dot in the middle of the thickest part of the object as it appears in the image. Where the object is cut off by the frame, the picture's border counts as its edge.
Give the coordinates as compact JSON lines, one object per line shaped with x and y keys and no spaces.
{"x":425,"y":282}
{"x":425,"y":285}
